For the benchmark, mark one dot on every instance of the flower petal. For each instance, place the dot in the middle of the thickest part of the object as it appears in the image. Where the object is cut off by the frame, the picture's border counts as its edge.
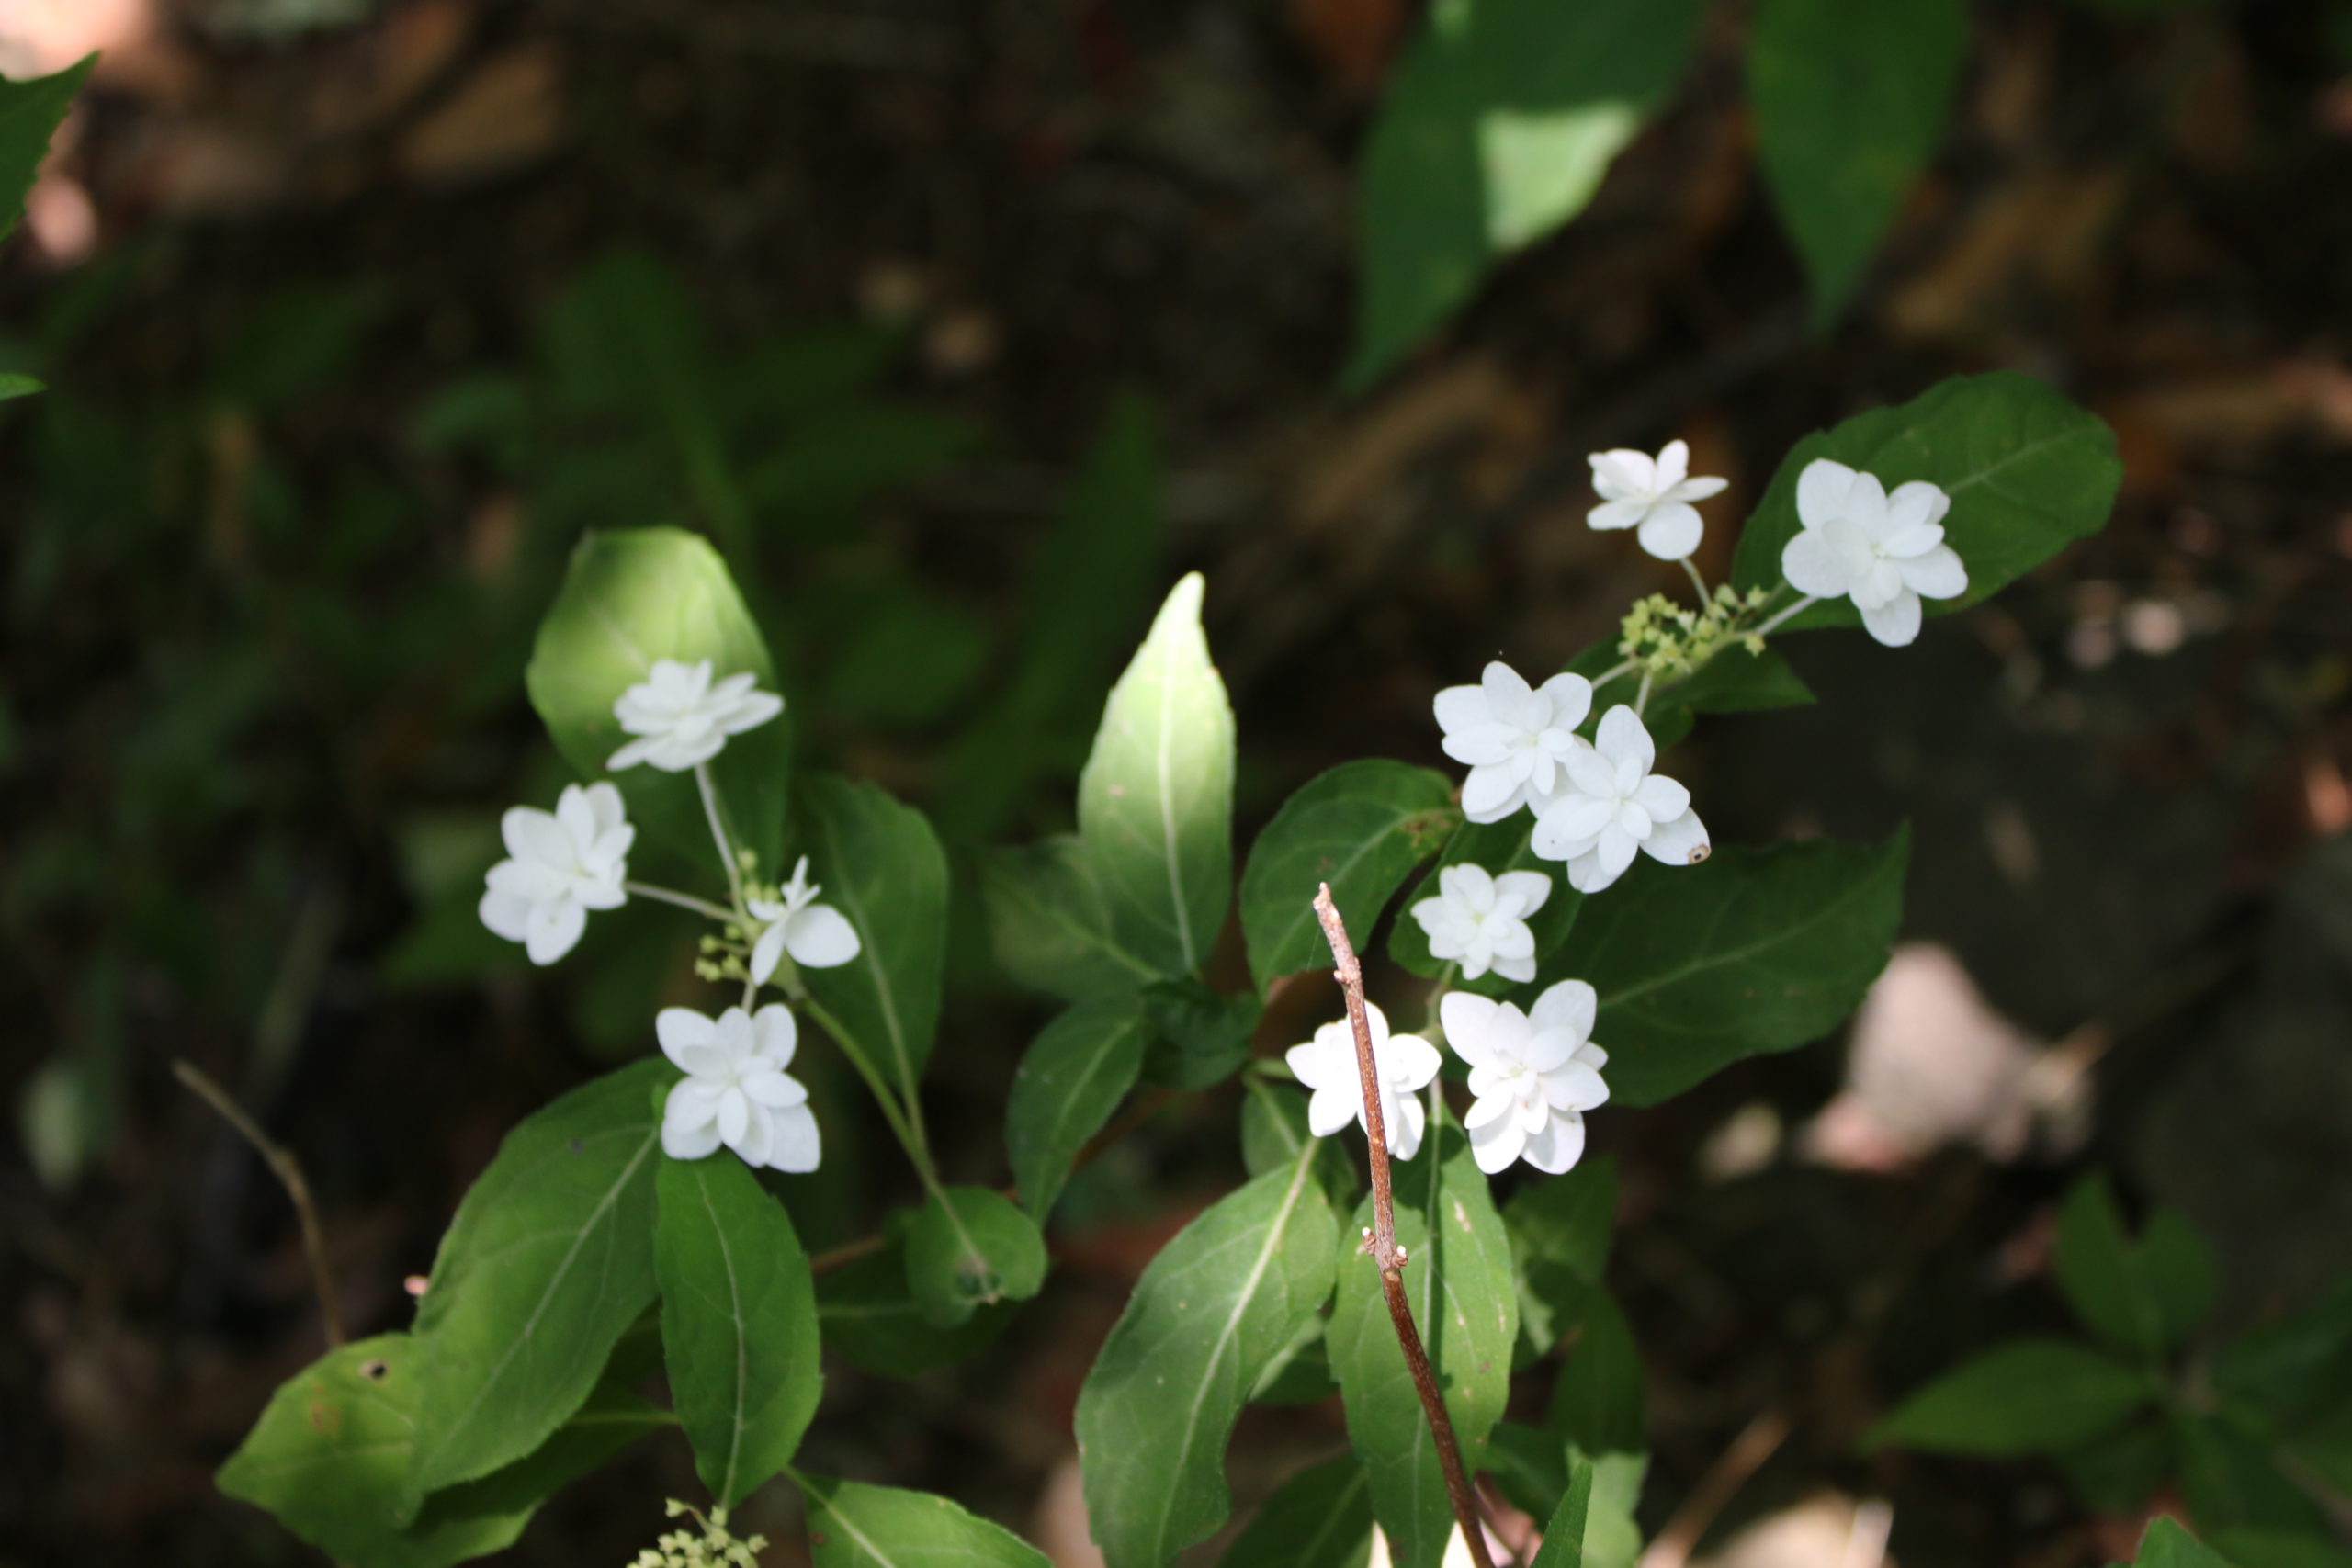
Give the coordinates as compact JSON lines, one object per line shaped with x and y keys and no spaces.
{"x":1569,"y":695}
{"x":794,"y":1143}
{"x":750,"y":712}
{"x":689,"y":1131}
{"x":1896,"y":622}
{"x":536,"y":836}
{"x":1331,"y":1109}
{"x":1405,"y":1121}
{"x":1570,"y":1005}
{"x":775,"y":1034}
{"x":1937,"y":574}
{"x":1623,"y":739}
{"x":1575,"y":1087}
{"x":1532,"y":887}
{"x":821,"y":937}
{"x":1483,"y":744}
{"x":1468,"y":1019}
{"x":767,"y":953}
{"x":734,"y":1116}
{"x":1489,"y":794}
{"x":1916,"y":504}
{"x":1812,"y":567}
{"x":1662,"y":797}
{"x":1498,"y":1143}
{"x":1679,"y":840}
{"x":552,"y":928}
{"x":1821,"y":494}
{"x":1459,"y":707}
{"x":690,"y":1041}
{"x":1408,"y":1061}
{"x":1672,"y":530}
{"x":1611,"y":515}
{"x":1621,"y":472}
{"x":1558,"y":1146}
{"x":1486,"y":1108}
{"x":506,"y":914}
{"x":774,"y":1087}
{"x":1508,"y":697}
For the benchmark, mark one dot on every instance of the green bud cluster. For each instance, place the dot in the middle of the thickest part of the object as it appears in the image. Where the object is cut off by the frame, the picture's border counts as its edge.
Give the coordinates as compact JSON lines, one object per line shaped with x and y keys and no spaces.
{"x":1666,"y":640}
{"x":709,"y":1546}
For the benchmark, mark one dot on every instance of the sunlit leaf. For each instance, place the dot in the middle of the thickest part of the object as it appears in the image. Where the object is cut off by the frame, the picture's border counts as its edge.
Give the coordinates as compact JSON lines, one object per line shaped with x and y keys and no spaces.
{"x":878,"y":862}
{"x":1362,"y":827}
{"x":970,"y":1247}
{"x":852,"y":1525}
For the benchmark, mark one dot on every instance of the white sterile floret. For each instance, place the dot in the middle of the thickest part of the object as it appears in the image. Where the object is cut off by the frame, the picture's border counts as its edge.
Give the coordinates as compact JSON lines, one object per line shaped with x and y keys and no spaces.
{"x":1327,"y":1065}
{"x":1881,"y":551}
{"x":681,"y":718}
{"x":1653,"y":494}
{"x":1534,"y":1073}
{"x":817,"y":935}
{"x":1514,"y":737}
{"x":1613,"y":805}
{"x":1479,"y":920}
{"x":736,"y":1091}
{"x":565,"y":862}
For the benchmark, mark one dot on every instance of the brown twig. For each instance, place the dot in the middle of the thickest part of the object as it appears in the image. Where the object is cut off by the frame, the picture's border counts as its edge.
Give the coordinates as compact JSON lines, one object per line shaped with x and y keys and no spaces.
{"x":283,"y":1165}
{"x":1382,"y":1244}
{"x":1756,"y":1443}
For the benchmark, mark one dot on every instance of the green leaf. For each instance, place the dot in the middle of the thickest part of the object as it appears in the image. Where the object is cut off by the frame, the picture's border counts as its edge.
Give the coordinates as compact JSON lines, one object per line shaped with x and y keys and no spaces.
{"x":870,"y":1316}
{"x":1599,"y":1403}
{"x":1155,"y":804}
{"x":1498,"y":847}
{"x":852,"y":1525}
{"x":878,"y":862}
{"x":1753,"y":950}
{"x":2232,"y":1480}
{"x":1564,"y":1536}
{"x":30,"y":112}
{"x":2145,"y":1295}
{"x":2027,"y":1396}
{"x":739,"y":1322}
{"x":1362,"y":827}
{"x":631,"y":597}
{"x":1073,"y":1077}
{"x":1734,"y":681}
{"x":330,"y":1458}
{"x":1560,"y":1231}
{"x":2279,"y":1549}
{"x":1229,"y":1295}
{"x":2165,"y":1544}
{"x":970,"y":1247}
{"x":2288,"y":1369}
{"x":549,"y":1259}
{"x":1199,"y":1037}
{"x":1851,"y":97}
{"x":2117,"y":1473}
{"x":1321,"y":1518}
{"x":13,"y":385}
{"x":1274,"y":1133}
{"x":2028,"y":472}
{"x":1458,"y":1284}
{"x":1049,"y":925}
{"x":1495,"y":128}
{"x":1534,"y":1469}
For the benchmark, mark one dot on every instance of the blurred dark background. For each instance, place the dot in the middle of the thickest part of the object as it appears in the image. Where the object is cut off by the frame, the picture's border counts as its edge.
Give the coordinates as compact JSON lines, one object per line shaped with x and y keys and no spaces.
{"x":963,"y":325}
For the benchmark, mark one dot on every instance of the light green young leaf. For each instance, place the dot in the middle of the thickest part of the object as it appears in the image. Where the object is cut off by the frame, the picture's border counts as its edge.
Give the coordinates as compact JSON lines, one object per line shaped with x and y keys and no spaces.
{"x":2165,"y":1544}
{"x":1458,"y":1284}
{"x":970,"y":1247}
{"x":2028,"y":473}
{"x":1755,"y":951}
{"x":2143,"y":1295}
{"x":2024,"y":1398}
{"x":878,"y":862}
{"x":30,"y":113}
{"x":1498,"y":847}
{"x":1598,"y":1403}
{"x":1564,"y":1537}
{"x":1049,"y":925}
{"x":1494,"y":129}
{"x":1321,"y":1518}
{"x":1362,"y":827}
{"x":549,"y":1259}
{"x":1229,"y":1295}
{"x":13,"y":385}
{"x":1560,"y":1230}
{"x":1073,"y":1077}
{"x":852,"y":1525}
{"x":631,"y":597}
{"x":739,"y":1322}
{"x":1155,"y":804}
{"x":870,"y":1316}
{"x":330,"y":1458}
{"x":1851,"y":97}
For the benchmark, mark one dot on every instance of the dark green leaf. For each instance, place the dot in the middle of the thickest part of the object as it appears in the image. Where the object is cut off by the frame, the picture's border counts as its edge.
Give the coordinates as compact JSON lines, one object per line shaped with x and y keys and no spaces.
{"x":852,"y":1525}
{"x":1049,"y":925}
{"x":970,"y":1247}
{"x":1224,"y":1299}
{"x":2233,"y":1481}
{"x":1362,"y":827}
{"x":1560,"y":1231}
{"x":1498,"y":847}
{"x":1752,"y":951}
{"x":1598,"y":1404}
{"x":2285,"y":1369}
{"x":2277,"y":1548}
{"x":1851,"y":97}
{"x":30,"y":113}
{"x":1321,"y":1518}
{"x":1564,"y":1536}
{"x":1199,"y":1037}
{"x":2027,"y":1396}
{"x":1275,"y":1130}
{"x":869,"y":1314}
{"x":2028,"y":472}
{"x":1458,"y":1284}
{"x":2165,"y":1544}
{"x":1073,"y":1077}
{"x":2143,"y":1296}
{"x":878,"y":863}
{"x":549,"y":1259}
{"x":840,"y":457}
{"x":1155,"y":804}
{"x":629,"y":598}
{"x":739,"y":1322}
{"x":2117,"y":1473}
{"x":1734,"y":681}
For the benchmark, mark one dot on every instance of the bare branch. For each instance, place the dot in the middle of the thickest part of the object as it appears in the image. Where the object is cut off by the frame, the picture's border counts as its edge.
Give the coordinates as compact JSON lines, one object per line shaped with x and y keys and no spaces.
{"x":288,"y":1171}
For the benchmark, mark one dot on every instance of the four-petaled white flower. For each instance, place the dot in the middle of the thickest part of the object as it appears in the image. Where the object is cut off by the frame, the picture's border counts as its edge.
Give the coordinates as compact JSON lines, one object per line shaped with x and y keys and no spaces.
{"x":736,"y":1091}
{"x":566,"y":863}
{"x":681,"y":718}
{"x":817,"y":935}
{"x":1479,"y":920}
{"x":1653,"y":494}
{"x":1327,"y":1065}
{"x":1534,"y":1073}
{"x":1514,"y":737}
{"x":1881,"y":551}
{"x":1614,"y":805}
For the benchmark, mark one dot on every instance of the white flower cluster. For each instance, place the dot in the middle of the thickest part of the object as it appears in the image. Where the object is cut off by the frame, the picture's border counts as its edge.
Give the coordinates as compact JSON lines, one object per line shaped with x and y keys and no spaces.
{"x":565,"y":862}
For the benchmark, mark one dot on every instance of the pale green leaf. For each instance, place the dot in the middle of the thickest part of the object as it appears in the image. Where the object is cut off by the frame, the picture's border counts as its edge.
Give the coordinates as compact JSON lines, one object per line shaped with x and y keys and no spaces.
{"x":878,"y":862}
{"x":1362,"y":827}
{"x":1564,"y":1536}
{"x":852,"y":1525}
{"x":2165,"y":1544}
{"x":1049,"y":925}
{"x":2023,"y":1397}
{"x":970,"y":1247}
{"x":1073,"y":1077}
{"x":1321,"y":1518}
{"x":13,"y":385}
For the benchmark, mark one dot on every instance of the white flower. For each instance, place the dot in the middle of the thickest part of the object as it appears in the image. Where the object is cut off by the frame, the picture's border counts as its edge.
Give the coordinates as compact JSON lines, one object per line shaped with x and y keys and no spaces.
{"x":1514,"y":738}
{"x":816,"y":934}
{"x":1881,"y":551}
{"x":1534,"y":1074}
{"x":1481,"y":920}
{"x":1637,"y":491}
{"x":736,"y":1091}
{"x":1613,"y":805}
{"x":1327,"y":1065}
{"x":566,"y":863}
{"x":681,"y":719}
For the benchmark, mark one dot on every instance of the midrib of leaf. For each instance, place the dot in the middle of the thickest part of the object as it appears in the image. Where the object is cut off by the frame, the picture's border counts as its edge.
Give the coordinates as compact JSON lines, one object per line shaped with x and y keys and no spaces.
{"x":1090,"y":936}
{"x":1086,"y":1075}
{"x":847,"y":891}
{"x":1738,"y":955}
{"x":1331,"y":1520}
{"x":1167,"y":811}
{"x":735,"y":1316}
{"x":2020,"y":456}
{"x":1345,"y":867}
{"x":1301,"y":1164}
{"x":530,"y":1325}
{"x":866,"y":1541}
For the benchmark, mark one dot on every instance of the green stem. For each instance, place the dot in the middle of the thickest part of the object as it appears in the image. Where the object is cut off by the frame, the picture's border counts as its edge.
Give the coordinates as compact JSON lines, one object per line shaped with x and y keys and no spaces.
{"x":1697,"y":582}
{"x":918,"y":1151}
{"x":683,"y":900}
{"x":718,"y":836}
